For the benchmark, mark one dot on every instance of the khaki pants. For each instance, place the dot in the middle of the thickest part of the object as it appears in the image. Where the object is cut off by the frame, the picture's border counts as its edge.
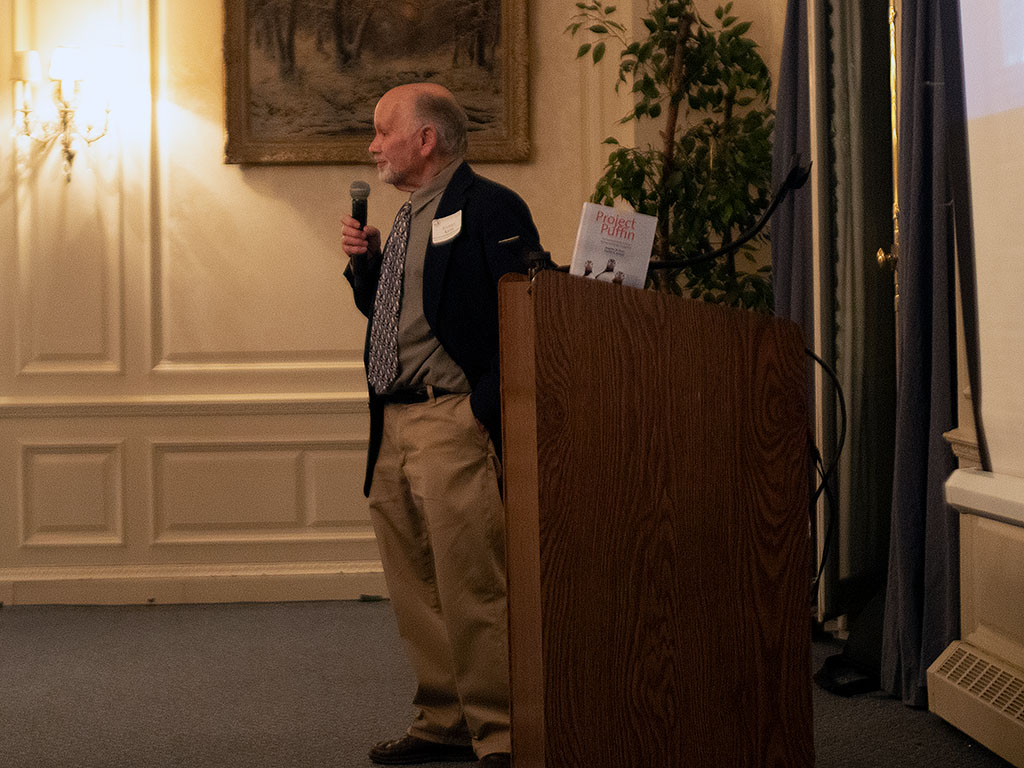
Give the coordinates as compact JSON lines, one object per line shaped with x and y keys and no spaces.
{"x":440,"y":525}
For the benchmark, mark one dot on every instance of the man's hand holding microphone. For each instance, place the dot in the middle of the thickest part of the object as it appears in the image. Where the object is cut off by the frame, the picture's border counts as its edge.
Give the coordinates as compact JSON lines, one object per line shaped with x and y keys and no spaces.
{"x":358,"y":240}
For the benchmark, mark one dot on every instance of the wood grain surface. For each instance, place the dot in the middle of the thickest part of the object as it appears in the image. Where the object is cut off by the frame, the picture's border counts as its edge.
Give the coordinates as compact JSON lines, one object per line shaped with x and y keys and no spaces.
{"x":656,"y":460}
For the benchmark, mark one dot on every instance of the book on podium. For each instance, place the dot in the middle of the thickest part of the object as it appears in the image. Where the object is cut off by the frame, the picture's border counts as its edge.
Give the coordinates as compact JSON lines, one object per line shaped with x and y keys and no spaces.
{"x":613,"y":245}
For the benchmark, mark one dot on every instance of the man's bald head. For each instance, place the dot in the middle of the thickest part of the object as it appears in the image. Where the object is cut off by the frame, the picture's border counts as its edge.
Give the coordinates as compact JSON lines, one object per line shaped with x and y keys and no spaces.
{"x":435,"y":105}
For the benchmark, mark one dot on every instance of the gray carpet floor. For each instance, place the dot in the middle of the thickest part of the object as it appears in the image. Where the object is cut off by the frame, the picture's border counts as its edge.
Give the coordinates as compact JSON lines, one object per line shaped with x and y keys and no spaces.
{"x":296,"y":684}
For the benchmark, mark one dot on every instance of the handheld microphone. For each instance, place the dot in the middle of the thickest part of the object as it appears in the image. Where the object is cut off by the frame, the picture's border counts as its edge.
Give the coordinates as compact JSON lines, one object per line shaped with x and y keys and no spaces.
{"x":360,"y":191}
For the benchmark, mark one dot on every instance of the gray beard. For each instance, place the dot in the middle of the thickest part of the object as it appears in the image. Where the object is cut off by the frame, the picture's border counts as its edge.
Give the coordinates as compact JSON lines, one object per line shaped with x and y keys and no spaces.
{"x":388,"y":175}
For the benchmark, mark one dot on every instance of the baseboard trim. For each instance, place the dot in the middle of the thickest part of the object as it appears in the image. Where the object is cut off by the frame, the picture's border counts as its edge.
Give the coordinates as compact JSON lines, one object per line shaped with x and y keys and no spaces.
{"x":140,"y":585}
{"x":136,"y":406}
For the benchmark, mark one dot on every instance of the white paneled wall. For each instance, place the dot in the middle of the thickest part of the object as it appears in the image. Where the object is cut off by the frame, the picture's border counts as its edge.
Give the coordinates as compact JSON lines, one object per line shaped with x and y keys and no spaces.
{"x":182,"y":405}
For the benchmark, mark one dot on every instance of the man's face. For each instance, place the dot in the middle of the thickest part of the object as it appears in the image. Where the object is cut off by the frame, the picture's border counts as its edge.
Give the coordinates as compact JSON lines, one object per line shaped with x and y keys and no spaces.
{"x":397,"y":143}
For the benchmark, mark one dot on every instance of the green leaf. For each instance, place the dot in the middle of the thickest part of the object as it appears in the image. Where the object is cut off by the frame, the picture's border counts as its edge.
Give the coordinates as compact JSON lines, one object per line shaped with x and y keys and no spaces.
{"x":704,"y":203}
{"x":609,"y":9}
{"x":600,"y":29}
{"x":583,"y":50}
{"x":611,"y":140}
{"x":598,"y":52}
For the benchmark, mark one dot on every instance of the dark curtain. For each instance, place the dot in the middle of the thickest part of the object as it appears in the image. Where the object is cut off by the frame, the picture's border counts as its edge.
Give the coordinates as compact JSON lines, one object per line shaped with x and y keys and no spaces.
{"x":865,"y":323}
{"x":922,"y":611}
{"x":792,"y":273}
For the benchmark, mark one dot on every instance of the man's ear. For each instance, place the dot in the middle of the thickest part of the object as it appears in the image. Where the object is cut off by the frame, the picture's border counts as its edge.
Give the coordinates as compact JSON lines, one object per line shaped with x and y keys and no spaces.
{"x":428,"y":140}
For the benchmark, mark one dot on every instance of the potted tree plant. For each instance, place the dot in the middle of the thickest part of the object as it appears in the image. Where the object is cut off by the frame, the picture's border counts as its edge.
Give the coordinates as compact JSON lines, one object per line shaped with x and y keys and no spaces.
{"x":710,"y":177}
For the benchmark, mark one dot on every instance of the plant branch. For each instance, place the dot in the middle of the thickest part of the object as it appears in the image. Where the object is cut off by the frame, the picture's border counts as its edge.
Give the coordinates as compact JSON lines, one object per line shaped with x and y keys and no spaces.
{"x":669,"y":135}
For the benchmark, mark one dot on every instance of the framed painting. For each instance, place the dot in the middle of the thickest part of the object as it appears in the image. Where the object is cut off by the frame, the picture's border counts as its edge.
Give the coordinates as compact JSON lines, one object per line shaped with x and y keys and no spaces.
{"x":303,"y":76}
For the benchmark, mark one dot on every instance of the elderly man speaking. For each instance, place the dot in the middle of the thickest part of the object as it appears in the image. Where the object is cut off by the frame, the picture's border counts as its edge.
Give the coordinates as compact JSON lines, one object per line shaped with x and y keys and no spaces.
{"x":432,"y":472}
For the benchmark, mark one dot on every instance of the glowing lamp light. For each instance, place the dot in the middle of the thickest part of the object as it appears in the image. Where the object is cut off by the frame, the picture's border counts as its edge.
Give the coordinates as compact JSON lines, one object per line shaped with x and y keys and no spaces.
{"x":69,"y":67}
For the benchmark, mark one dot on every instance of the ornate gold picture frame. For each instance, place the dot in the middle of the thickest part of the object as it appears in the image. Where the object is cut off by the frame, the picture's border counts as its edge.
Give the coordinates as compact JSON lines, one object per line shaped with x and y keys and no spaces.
{"x":303,"y":76}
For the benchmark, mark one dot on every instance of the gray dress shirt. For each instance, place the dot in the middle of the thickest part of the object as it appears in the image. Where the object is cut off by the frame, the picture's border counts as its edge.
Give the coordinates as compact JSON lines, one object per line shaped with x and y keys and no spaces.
{"x":422,"y":360}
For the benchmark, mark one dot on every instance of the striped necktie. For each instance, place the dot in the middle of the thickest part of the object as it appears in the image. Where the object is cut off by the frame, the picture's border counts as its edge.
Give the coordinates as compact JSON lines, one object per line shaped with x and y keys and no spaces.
{"x":383,"y":363}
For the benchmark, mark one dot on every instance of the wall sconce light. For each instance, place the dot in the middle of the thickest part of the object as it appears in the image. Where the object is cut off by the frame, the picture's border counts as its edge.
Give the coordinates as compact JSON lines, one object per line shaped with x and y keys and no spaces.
{"x":67,"y":73}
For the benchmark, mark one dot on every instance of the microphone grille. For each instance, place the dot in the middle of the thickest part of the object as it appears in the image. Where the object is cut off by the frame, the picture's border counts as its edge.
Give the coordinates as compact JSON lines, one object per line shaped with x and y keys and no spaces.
{"x":359,"y":190}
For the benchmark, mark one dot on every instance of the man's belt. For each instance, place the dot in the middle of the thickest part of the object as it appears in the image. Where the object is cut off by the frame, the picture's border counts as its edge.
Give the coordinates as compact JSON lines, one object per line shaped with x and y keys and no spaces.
{"x":410,"y":396}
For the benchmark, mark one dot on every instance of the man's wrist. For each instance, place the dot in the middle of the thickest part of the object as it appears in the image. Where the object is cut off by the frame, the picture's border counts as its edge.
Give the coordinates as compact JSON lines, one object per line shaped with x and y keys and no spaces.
{"x":360,"y":262}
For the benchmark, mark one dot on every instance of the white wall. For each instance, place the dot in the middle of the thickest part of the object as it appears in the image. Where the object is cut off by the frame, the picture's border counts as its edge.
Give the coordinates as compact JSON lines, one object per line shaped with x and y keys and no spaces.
{"x":994,"y":75}
{"x":182,"y":406}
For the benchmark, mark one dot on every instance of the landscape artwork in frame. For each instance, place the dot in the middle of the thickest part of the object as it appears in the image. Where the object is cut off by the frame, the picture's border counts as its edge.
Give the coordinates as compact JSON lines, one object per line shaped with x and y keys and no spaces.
{"x":303,"y":76}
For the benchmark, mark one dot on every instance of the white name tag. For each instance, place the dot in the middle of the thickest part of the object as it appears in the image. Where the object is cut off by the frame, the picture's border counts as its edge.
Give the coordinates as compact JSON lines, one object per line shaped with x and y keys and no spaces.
{"x":446,"y":229}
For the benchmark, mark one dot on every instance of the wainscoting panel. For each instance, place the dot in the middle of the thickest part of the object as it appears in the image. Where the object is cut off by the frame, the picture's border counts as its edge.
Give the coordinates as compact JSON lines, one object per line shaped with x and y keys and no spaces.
{"x":239,"y":501}
{"x":333,"y":481}
{"x":267,"y":492}
{"x":70,"y":292}
{"x":70,"y":245}
{"x":71,"y":495}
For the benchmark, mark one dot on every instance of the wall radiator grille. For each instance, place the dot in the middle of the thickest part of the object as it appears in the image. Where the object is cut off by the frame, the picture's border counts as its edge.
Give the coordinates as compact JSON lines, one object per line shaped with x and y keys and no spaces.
{"x":986,"y":681}
{"x":981,"y":695}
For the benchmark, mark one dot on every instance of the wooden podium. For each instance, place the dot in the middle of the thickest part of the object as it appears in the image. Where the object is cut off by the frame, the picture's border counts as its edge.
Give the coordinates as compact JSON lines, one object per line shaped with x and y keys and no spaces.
{"x":656,"y":490}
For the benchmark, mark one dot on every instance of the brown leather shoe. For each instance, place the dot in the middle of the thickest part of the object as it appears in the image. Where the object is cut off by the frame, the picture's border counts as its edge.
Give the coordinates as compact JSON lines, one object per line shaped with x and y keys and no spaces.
{"x":410,"y":750}
{"x":496,"y":760}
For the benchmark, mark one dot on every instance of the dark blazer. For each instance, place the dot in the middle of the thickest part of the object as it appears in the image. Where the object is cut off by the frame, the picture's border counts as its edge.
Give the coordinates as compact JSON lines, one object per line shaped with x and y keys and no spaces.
{"x":460,"y":291}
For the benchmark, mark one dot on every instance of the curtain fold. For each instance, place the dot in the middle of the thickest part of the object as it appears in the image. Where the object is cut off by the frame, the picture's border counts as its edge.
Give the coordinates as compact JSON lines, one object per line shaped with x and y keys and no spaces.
{"x":792,"y":266}
{"x":923,"y":594}
{"x":865,"y":336}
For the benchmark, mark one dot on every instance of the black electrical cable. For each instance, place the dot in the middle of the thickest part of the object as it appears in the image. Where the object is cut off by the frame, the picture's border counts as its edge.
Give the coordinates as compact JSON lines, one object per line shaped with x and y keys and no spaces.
{"x":827,"y":474}
{"x":795,"y":178}
{"x":831,"y":504}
